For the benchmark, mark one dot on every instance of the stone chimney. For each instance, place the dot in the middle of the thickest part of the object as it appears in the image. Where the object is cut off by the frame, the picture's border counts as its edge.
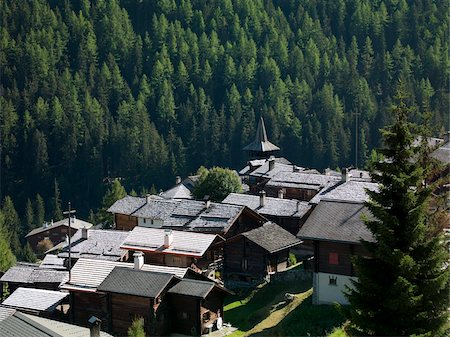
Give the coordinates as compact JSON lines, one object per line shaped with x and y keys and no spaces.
{"x":147,"y":198}
{"x":262,"y":198}
{"x":168,"y":238}
{"x":280,"y":194}
{"x":271,"y":163}
{"x":84,"y":233}
{"x":94,"y":326}
{"x":295,"y":168}
{"x":208,"y":203}
{"x":138,"y":260}
{"x":345,"y":176}
{"x":177,"y":180}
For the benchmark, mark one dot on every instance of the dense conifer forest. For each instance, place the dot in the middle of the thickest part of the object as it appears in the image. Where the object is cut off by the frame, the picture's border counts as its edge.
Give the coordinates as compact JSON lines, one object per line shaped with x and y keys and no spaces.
{"x":146,"y":90}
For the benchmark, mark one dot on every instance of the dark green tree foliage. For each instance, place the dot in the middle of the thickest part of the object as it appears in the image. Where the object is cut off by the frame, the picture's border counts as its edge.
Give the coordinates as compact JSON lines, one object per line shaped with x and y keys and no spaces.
{"x":137,"y":328}
{"x":39,"y":214}
{"x":29,"y":217}
{"x":56,"y":203}
{"x":146,"y":89}
{"x":216,"y":183}
{"x":27,"y":254}
{"x":11,"y":224}
{"x":7,"y":258}
{"x":114,"y":193}
{"x":402,"y":288}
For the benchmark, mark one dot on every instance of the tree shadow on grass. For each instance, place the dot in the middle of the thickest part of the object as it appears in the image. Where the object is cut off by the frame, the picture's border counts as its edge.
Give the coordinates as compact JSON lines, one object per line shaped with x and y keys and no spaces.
{"x":307,"y":320}
{"x":246,"y":316}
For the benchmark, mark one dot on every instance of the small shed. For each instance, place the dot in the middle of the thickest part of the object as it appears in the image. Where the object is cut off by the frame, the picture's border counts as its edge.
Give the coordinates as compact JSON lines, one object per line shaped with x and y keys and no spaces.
{"x":33,"y":277}
{"x":254,"y":254}
{"x":196,"y":306}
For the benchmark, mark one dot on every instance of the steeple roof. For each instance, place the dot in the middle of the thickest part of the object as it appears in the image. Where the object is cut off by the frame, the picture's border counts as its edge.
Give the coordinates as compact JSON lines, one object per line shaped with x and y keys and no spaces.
{"x":261,"y":142}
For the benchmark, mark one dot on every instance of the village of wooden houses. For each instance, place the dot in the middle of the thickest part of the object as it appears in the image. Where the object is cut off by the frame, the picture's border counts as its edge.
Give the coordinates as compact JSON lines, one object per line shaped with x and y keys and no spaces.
{"x":175,"y":262}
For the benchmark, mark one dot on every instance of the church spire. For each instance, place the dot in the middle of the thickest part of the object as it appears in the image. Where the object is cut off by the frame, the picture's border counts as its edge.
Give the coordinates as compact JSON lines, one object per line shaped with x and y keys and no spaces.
{"x":261,"y":147}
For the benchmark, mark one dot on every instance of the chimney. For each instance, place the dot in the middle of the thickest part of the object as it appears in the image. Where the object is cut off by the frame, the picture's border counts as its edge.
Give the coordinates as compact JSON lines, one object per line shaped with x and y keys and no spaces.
{"x":85,"y":233}
{"x":280,"y":194}
{"x":177,"y":180}
{"x":295,"y":168}
{"x":51,"y":223}
{"x":94,"y":326}
{"x":168,"y":238}
{"x":147,"y":198}
{"x":345,"y":176}
{"x":138,"y":260}
{"x":262,"y":198}
{"x":298,"y":206}
{"x":208,"y":203}
{"x":271,"y":163}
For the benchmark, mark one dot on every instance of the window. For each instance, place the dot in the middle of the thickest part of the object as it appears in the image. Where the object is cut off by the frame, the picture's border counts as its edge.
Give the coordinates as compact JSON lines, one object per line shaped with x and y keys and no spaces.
{"x":333,"y":258}
{"x":244,"y":264}
{"x":145,"y":220}
{"x":332,"y":281}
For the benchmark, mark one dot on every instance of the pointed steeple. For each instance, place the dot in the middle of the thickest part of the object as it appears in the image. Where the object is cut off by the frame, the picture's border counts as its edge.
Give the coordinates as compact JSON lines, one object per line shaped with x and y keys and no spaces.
{"x":261,"y":146}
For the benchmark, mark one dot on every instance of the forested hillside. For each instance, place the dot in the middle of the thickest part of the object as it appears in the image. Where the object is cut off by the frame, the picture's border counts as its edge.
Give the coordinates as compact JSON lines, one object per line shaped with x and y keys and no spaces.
{"x":146,"y":90}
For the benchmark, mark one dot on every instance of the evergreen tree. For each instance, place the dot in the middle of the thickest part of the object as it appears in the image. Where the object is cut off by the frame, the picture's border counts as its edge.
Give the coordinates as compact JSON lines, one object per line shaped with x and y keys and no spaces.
{"x":40,"y":210}
{"x":11,"y":223}
{"x":137,"y":328}
{"x":7,"y":258}
{"x":27,"y":254}
{"x":56,"y":202}
{"x":114,"y":193}
{"x":402,"y":288}
{"x":29,"y":217}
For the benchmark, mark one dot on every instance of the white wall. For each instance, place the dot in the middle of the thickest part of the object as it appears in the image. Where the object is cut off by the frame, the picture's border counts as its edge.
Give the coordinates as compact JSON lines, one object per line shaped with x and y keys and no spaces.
{"x":155,"y":223}
{"x":324,"y":293}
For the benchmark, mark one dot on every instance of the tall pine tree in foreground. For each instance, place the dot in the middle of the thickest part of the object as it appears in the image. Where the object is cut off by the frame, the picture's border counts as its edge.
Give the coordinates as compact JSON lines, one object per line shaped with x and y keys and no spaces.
{"x":402,"y":288}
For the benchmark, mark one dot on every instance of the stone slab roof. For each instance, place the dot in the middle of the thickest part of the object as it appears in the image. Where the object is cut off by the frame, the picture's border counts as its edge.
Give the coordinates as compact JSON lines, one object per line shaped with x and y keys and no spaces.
{"x":337,"y":221}
{"x":194,"y":288}
{"x":352,"y":191}
{"x":101,"y":244}
{"x":272,"y":237}
{"x":127,"y":205}
{"x":75,"y":224}
{"x":177,"y":192}
{"x":135,"y":282}
{"x":184,"y":243}
{"x":273,"y":206}
{"x":51,"y":261}
{"x":301,"y":180}
{"x":30,"y":275}
{"x":88,"y":274}
{"x":35,"y":299}
{"x":442,"y":153}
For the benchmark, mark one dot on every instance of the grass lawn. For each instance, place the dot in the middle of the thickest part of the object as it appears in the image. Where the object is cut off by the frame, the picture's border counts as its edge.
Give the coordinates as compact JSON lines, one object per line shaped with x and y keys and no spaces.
{"x":259,"y":312}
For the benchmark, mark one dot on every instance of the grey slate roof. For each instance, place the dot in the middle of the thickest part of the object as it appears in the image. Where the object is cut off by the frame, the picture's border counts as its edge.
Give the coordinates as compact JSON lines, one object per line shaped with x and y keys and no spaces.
{"x":184,"y":243}
{"x":88,"y":274}
{"x":195,"y":288}
{"x":337,"y":221}
{"x":352,"y":191}
{"x":101,"y":244}
{"x":22,"y":274}
{"x":35,"y":299}
{"x":127,"y":205}
{"x":177,"y":192}
{"x":301,"y":180}
{"x":51,"y":261}
{"x":442,"y":153}
{"x":272,"y":237}
{"x":135,"y":282}
{"x":261,"y":142}
{"x":75,"y":224}
{"x":193,"y":215}
{"x":6,"y":312}
{"x":21,"y":325}
{"x":273,"y":206}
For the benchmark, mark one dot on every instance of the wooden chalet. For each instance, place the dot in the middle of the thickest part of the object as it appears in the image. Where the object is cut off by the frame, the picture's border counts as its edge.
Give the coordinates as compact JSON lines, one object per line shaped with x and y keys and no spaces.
{"x":254,"y":254}
{"x":335,"y":229}
{"x":196,"y":307}
{"x":32,"y":276}
{"x":45,"y":303}
{"x":56,"y":232}
{"x":86,"y":277}
{"x":123,"y":210}
{"x":174,"y":248}
{"x":187,"y":215}
{"x":135,"y":293}
{"x":289,"y":214}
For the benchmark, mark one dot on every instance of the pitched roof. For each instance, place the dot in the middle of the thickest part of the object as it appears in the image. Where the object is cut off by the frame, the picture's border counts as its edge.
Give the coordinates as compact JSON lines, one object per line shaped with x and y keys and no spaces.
{"x":75,"y":224}
{"x":337,"y":221}
{"x":352,"y":191}
{"x":195,"y":288}
{"x":184,"y":243}
{"x":100,"y":244}
{"x":273,"y":206}
{"x":442,"y":153}
{"x":88,"y":274}
{"x":127,"y":205}
{"x":179,"y":191}
{"x":6,"y":312}
{"x":51,"y":261}
{"x":271,"y":237}
{"x":35,"y":299}
{"x":301,"y":180}
{"x":20,"y":324}
{"x":135,"y":282}
{"x":261,"y":142}
{"x":23,"y":274}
